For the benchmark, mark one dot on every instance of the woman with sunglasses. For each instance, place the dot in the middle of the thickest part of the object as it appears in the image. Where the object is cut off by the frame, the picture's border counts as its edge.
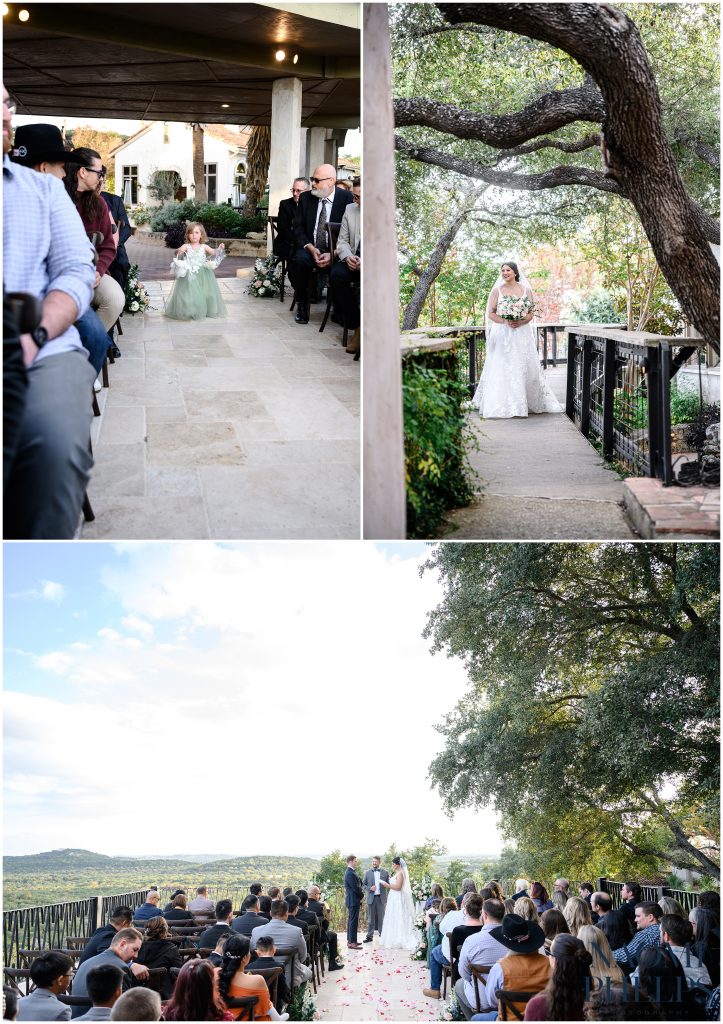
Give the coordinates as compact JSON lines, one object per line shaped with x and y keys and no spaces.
{"x":84,"y":170}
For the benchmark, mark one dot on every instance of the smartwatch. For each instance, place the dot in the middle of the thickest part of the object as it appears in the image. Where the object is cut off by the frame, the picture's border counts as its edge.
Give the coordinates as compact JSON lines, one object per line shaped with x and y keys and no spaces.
{"x":39,"y":336}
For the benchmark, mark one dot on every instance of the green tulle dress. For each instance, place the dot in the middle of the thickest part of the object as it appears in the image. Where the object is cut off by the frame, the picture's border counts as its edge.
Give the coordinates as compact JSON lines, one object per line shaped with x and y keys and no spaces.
{"x":195,"y":294}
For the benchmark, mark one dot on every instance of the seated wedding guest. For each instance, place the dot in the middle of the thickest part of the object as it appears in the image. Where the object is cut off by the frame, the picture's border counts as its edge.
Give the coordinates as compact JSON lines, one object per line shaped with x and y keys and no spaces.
{"x":345,"y":276}
{"x":343,"y":184}
{"x":10,"y":1003}
{"x":709,"y":899}
{"x":481,"y":950}
{"x":603,"y":968}
{"x":224,"y":917}
{"x":561,"y":885}
{"x":576,"y":913}
{"x":100,"y":940}
{"x":169,"y":905}
{"x":540,"y":897}
{"x":619,"y":1003}
{"x":322,"y":205}
{"x":120,"y":266}
{"x":274,"y":893}
{"x":647,"y":916}
{"x":614,"y":927}
{"x":706,"y":945}
{"x":285,"y":934}
{"x":285,"y":240}
{"x":150,"y":908}
{"x":51,"y":974}
{"x":585,"y":892}
{"x":630,"y":895}
{"x":524,"y":968}
{"x":303,"y":913}
{"x":468,"y":885}
{"x":437,"y":893}
{"x":158,"y":950}
{"x":256,"y":889}
{"x":265,"y":906}
{"x":47,"y":253}
{"x":329,"y":938}
{"x":179,"y":909}
{"x":521,"y":889}
{"x":496,"y":889}
{"x":661,"y":978}
{"x":553,"y":923}
{"x":559,"y":900}
{"x":105,"y":987}
{"x":441,"y":955}
{"x":201,"y":904}
{"x":265,"y":958}
{"x":84,"y":171}
{"x":215,"y":957}
{"x":570,"y":983}
{"x":196,"y":996}
{"x":292,"y":902}
{"x":122,"y":953}
{"x":601,"y":904}
{"x":233,"y":983}
{"x":287,"y":891}
{"x":137,"y":1004}
{"x":509,"y":905}
{"x":250,"y":918}
{"x":525,"y":907}
{"x":668,"y":905}
{"x":677,"y":933}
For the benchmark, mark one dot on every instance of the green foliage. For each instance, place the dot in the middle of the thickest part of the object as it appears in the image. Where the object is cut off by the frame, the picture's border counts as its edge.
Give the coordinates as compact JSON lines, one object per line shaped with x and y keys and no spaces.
{"x":435,"y":430}
{"x":594,"y":308}
{"x":302,"y":1006}
{"x":332,"y":868}
{"x":592,"y":718}
{"x":684,"y":406}
{"x":219,"y":219}
{"x":420,"y":859}
{"x":162,"y":185}
{"x":140,"y":215}
{"x":169,"y":213}
{"x":457,"y":871}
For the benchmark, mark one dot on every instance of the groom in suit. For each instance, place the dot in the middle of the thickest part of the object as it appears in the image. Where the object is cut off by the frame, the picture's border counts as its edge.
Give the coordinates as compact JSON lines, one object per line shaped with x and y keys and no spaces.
{"x":354,"y":893}
{"x":376,"y":897}
{"x":320,"y":206}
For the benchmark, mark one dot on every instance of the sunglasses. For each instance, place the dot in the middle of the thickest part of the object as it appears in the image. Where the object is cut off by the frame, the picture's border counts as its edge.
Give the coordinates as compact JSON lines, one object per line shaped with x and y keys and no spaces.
{"x":315,"y":181}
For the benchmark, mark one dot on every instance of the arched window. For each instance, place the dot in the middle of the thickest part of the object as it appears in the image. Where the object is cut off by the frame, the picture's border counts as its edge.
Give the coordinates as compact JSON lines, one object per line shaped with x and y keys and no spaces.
{"x":239,"y":182}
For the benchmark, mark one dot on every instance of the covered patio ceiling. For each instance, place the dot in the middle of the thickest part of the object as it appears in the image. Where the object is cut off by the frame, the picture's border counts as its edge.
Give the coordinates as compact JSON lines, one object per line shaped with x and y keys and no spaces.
{"x":212,"y":62}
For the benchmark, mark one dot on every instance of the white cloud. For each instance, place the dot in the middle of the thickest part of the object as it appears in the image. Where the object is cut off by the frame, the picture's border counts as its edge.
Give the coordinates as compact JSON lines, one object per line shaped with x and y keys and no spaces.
{"x":275,"y":651}
{"x":51,"y":591}
{"x":54,"y":661}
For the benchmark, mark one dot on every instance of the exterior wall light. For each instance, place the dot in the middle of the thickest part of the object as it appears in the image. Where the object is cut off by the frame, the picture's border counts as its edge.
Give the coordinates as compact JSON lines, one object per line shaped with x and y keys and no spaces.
{"x":280,"y":55}
{"x":296,"y":58}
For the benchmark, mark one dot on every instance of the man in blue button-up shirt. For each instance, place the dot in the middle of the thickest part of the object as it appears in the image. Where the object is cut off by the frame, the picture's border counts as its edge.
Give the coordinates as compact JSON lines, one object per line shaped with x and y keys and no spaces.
{"x":47,"y":253}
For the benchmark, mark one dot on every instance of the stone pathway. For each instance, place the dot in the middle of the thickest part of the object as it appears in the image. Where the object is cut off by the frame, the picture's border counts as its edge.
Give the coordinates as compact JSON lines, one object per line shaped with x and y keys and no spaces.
{"x":240,"y":428}
{"x":154,"y":262}
{"x":540,"y":479}
{"x":672,"y":513}
{"x":377,"y":984}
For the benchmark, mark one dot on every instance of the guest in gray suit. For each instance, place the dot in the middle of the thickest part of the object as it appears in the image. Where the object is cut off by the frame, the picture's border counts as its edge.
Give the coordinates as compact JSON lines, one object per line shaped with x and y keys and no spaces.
{"x":105,"y":986}
{"x":285,"y":934}
{"x":376,"y":897}
{"x":51,"y":974}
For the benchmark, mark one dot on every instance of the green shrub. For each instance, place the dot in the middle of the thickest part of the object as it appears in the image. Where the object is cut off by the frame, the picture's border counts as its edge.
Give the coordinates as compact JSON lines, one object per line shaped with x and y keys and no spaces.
{"x":594,"y":308}
{"x":222,"y":221}
{"x":165,"y":216}
{"x":684,"y":406}
{"x":435,"y":431}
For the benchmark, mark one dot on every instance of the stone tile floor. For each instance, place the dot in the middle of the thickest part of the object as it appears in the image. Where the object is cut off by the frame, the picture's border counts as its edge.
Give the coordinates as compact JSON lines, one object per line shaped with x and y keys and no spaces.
{"x":377,"y":984}
{"x":675,"y":513}
{"x":240,"y":428}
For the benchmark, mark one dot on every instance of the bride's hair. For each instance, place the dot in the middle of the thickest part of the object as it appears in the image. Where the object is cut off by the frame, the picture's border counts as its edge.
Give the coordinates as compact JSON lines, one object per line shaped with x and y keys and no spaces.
{"x":397,"y":861}
{"x":512,"y":266}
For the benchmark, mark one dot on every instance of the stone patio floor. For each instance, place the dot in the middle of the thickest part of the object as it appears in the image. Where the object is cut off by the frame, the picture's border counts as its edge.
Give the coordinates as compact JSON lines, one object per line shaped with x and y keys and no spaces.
{"x":377,"y":984}
{"x":240,"y":428}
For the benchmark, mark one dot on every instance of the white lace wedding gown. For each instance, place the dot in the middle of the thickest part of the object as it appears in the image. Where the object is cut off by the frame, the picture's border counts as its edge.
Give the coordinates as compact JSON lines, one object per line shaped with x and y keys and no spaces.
{"x":398,"y":930}
{"x":512,"y":383}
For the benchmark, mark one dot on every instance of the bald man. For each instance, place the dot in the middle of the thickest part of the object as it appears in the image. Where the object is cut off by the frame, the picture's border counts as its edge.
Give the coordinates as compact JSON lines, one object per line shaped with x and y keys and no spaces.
{"x":321,"y":205}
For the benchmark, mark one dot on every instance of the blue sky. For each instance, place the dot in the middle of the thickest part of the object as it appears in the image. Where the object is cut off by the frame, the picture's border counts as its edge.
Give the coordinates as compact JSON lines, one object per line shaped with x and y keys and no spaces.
{"x":250,"y":650}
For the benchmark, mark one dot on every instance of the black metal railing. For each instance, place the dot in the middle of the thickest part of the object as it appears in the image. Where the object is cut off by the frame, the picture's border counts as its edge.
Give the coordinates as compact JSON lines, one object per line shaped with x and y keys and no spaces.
{"x":46,"y":927}
{"x":125,"y":899}
{"x":618,"y":390}
{"x":651,"y":893}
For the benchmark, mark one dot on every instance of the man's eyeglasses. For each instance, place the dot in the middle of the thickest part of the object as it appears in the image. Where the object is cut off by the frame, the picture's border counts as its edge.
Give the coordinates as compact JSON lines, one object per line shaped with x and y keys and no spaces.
{"x":356,"y":198}
{"x":315,"y":181}
{"x":298,"y":191}
{"x":10,"y":105}
{"x":100,"y":173}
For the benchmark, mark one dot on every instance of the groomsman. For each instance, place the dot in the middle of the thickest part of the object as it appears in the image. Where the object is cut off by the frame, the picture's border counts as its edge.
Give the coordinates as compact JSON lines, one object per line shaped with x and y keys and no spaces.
{"x":354,"y":894}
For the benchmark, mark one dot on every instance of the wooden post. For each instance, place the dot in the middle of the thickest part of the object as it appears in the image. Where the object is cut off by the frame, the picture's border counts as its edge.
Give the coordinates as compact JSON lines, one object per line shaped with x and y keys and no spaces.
{"x":384,"y":494}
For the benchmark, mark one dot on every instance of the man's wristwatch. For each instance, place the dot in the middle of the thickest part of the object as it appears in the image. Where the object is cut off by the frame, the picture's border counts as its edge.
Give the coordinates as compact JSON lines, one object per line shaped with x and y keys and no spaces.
{"x":39,"y":336}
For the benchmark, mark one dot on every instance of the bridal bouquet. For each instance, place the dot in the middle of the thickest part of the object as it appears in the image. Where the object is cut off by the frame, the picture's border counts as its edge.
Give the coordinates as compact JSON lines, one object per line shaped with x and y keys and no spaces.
{"x":137,"y":300}
{"x":512,"y":308}
{"x":267,"y":278}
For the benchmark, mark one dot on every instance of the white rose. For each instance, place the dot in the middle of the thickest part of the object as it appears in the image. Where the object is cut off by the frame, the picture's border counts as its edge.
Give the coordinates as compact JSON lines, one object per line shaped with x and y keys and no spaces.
{"x":134,"y":307}
{"x":267,"y":284}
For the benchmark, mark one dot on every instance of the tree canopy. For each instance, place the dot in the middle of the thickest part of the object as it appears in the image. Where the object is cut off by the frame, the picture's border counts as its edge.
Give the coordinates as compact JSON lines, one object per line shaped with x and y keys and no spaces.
{"x":591,"y":721}
{"x":586,"y":100}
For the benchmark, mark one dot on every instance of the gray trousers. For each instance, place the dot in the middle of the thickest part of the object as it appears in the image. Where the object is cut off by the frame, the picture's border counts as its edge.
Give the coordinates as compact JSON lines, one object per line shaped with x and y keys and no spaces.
{"x":375,"y":916}
{"x":466,"y":1009}
{"x":52,"y":465}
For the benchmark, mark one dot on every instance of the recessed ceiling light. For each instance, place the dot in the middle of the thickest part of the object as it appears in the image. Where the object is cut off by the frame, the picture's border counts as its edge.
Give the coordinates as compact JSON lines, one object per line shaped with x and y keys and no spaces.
{"x":225,"y":106}
{"x":296,"y":58}
{"x":5,"y":9}
{"x":280,"y":54}
{"x":23,"y":15}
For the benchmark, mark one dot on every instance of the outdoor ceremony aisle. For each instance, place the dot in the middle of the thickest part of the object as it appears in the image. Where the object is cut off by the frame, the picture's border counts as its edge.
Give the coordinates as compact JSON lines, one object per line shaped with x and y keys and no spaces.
{"x":246,"y":427}
{"x":377,"y":984}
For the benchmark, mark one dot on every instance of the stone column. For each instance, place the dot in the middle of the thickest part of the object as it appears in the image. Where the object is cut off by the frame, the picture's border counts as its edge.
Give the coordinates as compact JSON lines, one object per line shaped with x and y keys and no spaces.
{"x":285,"y":139}
{"x":384,"y":495}
{"x":316,"y":148}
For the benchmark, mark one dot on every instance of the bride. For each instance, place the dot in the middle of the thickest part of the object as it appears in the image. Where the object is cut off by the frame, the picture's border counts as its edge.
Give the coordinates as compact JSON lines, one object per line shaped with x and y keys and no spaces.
{"x":512,"y":383}
{"x":398,"y":930}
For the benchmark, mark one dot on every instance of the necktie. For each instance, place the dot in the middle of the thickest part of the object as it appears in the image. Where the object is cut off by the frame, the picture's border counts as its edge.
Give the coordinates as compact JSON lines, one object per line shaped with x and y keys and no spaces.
{"x":321,"y":241}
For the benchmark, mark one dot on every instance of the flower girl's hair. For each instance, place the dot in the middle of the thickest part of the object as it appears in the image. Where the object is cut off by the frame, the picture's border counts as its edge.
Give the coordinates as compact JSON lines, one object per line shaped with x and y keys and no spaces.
{"x":194,"y":224}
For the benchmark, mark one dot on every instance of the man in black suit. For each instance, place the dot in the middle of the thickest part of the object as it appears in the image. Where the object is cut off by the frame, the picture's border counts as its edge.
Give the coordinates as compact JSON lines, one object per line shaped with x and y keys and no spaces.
{"x":354,"y":896}
{"x":120,"y":267}
{"x":323,"y":204}
{"x":285,"y":241}
{"x":224,"y":916}
{"x":630,"y":896}
{"x":312,"y":911}
{"x":100,"y":940}
{"x":293,"y":902}
{"x":250,"y":918}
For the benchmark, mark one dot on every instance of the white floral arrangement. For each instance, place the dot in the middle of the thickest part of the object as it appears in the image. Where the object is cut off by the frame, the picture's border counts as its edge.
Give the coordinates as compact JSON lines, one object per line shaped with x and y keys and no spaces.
{"x":137,"y":300}
{"x":511,"y":307}
{"x":419,"y":921}
{"x":422,"y":888}
{"x":267,"y":278}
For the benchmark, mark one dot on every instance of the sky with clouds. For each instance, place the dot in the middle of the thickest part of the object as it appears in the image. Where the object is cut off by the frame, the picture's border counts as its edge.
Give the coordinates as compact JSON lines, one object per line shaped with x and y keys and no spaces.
{"x":301,"y":663}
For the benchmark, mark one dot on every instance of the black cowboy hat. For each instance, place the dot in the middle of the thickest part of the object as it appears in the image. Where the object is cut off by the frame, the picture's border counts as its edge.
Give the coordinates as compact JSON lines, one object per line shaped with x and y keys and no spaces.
{"x":518,"y":934}
{"x":36,"y":143}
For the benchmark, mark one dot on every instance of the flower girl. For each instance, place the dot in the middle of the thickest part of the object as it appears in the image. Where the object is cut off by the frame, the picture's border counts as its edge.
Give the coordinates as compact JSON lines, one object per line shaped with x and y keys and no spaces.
{"x":196,"y":294}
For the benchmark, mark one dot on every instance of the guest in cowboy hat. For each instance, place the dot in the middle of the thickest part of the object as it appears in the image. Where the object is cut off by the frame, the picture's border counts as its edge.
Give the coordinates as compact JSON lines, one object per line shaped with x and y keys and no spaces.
{"x":40,"y":147}
{"x":524,"y":969}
